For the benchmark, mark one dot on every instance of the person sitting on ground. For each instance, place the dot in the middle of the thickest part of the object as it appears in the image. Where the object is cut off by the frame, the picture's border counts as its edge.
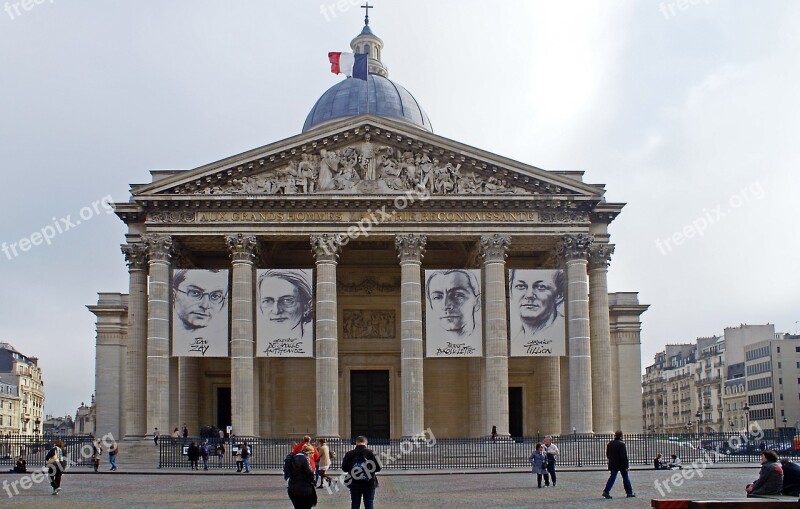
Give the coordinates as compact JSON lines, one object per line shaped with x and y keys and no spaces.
{"x":791,"y":478}
{"x":21,"y":467}
{"x":675,"y":462}
{"x":658,"y":463}
{"x":770,"y":478}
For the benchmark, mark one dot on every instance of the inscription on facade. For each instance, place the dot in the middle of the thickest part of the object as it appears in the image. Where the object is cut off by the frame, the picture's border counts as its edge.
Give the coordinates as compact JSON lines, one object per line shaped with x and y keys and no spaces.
{"x":450,"y":216}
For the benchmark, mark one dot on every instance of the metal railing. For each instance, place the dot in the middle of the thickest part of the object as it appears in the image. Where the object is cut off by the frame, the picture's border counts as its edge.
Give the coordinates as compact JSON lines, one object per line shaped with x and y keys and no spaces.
{"x":480,"y":453}
{"x":35,"y":447}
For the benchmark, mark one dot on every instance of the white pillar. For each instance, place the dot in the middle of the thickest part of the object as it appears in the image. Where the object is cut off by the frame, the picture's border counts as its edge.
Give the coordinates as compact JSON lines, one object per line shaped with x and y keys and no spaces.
{"x":135,"y":390}
{"x":159,"y":253}
{"x":602,"y":386}
{"x":243,"y":250}
{"x":326,"y":252}
{"x":494,"y":249}
{"x":410,"y":250}
{"x":574,"y":250}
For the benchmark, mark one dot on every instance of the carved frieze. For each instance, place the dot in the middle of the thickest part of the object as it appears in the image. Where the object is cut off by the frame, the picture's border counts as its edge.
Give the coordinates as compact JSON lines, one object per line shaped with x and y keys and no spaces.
{"x":368,"y":323}
{"x":368,"y":167}
{"x":170,"y":217}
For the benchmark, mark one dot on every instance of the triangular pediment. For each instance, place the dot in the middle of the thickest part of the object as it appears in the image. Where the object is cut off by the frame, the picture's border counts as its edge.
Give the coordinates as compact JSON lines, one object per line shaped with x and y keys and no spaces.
{"x":367,"y":156}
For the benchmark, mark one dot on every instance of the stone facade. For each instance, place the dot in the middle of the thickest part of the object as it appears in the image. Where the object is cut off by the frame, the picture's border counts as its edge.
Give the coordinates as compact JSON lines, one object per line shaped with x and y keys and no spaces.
{"x":22,"y":372}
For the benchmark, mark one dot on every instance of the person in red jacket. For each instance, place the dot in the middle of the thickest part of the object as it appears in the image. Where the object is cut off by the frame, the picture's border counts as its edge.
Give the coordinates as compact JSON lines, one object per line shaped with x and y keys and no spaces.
{"x":314,"y":457}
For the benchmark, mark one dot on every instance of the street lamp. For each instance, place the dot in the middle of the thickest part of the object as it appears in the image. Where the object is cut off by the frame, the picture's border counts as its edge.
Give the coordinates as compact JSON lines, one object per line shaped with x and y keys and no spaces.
{"x":783,"y":429}
{"x":730,"y":425}
{"x":699,"y":419}
{"x":746,"y":410}
{"x":36,"y":427}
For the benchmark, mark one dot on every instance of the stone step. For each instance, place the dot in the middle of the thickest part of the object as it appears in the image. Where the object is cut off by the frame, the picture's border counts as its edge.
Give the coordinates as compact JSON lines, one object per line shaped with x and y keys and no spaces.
{"x":135,"y":453}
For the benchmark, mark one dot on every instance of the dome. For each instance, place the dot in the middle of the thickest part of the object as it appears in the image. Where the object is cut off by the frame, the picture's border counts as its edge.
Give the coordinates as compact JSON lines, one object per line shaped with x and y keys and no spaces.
{"x":386,"y":99}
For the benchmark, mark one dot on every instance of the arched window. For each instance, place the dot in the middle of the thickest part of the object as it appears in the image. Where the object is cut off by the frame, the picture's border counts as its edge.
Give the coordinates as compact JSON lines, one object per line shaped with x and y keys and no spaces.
{"x":368,"y":49}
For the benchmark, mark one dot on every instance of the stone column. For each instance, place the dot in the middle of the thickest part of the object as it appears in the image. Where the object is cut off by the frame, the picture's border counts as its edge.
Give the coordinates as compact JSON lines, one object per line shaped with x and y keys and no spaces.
{"x":548,"y":406}
{"x":243,"y":250}
{"x":410,"y":250}
{"x":135,"y":389}
{"x":574,"y":250}
{"x":326,"y":252}
{"x":602,"y":380}
{"x":159,"y":253}
{"x":494,"y":249}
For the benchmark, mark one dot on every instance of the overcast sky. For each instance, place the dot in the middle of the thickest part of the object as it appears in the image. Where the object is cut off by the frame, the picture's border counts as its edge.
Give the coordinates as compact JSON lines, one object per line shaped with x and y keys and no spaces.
{"x":690,"y":116}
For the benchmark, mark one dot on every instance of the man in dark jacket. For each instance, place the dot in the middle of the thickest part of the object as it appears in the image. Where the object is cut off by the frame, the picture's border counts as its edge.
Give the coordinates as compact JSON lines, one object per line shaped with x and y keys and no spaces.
{"x":791,"y":478}
{"x":617,"y":455}
{"x":361,"y":466}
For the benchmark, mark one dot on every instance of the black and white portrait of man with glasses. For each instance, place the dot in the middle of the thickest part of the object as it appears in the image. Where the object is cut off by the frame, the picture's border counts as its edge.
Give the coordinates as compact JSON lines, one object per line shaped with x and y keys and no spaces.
{"x":200,"y":313}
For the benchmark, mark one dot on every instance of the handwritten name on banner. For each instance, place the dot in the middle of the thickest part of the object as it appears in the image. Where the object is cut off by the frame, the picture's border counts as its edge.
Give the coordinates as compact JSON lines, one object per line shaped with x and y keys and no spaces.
{"x":348,"y":217}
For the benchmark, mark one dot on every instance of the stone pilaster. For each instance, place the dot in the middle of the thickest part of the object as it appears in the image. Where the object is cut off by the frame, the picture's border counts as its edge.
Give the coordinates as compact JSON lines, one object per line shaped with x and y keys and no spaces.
{"x":135,"y":389}
{"x":602,"y":381}
{"x":494,"y":249}
{"x":410,"y":250}
{"x":243,"y":250}
{"x":326,"y":252}
{"x":574,"y":251}
{"x":159,"y":254}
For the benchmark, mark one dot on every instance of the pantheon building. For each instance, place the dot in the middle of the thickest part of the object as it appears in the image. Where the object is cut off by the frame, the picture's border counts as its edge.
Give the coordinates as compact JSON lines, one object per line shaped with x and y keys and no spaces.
{"x":368,"y":276}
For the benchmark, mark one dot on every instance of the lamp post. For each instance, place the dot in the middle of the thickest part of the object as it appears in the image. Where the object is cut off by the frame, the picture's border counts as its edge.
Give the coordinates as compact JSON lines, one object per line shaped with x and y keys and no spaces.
{"x":783,"y":429}
{"x":699,"y":419}
{"x":36,"y":427}
{"x":746,"y":410}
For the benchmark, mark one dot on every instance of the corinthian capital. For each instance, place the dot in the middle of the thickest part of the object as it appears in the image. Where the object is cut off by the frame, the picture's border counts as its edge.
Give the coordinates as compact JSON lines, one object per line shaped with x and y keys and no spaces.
{"x":326,"y":247}
{"x":242,"y":248}
{"x":135,"y":256}
{"x":160,"y":247}
{"x":575,"y":247}
{"x":600,"y":256}
{"x":410,"y":248}
{"x":494,"y":248}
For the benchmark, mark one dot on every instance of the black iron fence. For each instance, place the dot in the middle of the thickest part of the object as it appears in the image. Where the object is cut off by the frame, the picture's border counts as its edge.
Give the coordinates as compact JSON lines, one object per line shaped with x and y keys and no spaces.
{"x":35,"y":447}
{"x":475,"y":453}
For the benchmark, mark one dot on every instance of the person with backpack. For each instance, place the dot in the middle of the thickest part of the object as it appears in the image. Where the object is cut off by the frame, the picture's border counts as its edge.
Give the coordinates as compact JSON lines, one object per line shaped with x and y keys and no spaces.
{"x":298,"y":472}
{"x":220,"y":452}
{"x":56,"y":463}
{"x":204,"y":453}
{"x":361,"y":466}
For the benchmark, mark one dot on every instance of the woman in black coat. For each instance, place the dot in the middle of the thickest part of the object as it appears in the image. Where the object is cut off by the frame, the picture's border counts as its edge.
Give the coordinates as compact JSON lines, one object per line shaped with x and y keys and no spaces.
{"x":302,"y":488}
{"x":194,"y":455}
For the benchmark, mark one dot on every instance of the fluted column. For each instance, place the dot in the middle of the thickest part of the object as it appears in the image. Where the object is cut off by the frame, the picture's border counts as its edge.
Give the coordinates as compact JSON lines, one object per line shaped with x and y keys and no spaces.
{"x":243,"y":250}
{"x":135,"y":389}
{"x":602,"y":385}
{"x":574,"y":250}
{"x":410,"y":250}
{"x":326,"y":252}
{"x":548,"y":380}
{"x":159,"y":253}
{"x":494,"y":249}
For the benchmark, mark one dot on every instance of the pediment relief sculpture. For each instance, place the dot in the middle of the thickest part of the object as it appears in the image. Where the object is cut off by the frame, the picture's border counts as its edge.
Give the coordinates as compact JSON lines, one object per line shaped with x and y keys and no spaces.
{"x":363,"y":168}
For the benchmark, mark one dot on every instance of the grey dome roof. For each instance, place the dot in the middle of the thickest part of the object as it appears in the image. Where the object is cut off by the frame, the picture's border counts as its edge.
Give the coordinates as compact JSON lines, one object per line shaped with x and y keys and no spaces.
{"x":386,"y":99}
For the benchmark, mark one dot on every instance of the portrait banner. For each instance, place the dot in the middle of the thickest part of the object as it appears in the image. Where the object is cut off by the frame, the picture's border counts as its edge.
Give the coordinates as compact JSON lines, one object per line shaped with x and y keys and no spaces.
{"x":200,"y":313}
{"x":453,"y":313}
{"x":536,"y":313}
{"x":285,"y":313}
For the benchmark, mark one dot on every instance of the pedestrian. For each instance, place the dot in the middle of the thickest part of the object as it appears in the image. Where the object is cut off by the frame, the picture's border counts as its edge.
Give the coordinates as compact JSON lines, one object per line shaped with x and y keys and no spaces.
{"x":56,"y":465}
{"x":244,"y":451}
{"x":550,"y":451}
{"x":658,"y":463}
{"x":205,"y":453}
{"x":185,"y":432}
{"x":300,"y":475}
{"x":175,"y":433}
{"x":21,"y":467}
{"x":674,"y":462}
{"x":237,"y":452}
{"x":155,"y":436}
{"x":494,"y":433}
{"x":617,"y":455}
{"x":299,"y":447}
{"x":220,"y":452}
{"x":97,"y":450}
{"x":791,"y":478}
{"x":324,"y":462}
{"x":770,"y":477}
{"x":193,"y":453}
{"x":112,"y":454}
{"x":539,"y":462}
{"x":361,"y":466}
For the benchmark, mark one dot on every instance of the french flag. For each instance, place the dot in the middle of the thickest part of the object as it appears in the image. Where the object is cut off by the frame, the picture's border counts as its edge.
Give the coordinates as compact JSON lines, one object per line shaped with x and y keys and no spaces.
{"x":349,"y":64}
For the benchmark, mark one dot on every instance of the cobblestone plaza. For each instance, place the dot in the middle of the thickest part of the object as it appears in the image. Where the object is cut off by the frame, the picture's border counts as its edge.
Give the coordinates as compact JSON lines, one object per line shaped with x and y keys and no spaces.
{"x":180,"y":489}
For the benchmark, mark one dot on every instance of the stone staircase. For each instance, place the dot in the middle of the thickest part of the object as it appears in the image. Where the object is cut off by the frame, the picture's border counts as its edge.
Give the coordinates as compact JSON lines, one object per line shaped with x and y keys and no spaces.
{"x":135,"y":453}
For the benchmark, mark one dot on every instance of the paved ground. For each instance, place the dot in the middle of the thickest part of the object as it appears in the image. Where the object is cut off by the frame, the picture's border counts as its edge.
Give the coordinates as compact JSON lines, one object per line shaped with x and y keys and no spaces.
{"x":184,"y":489}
